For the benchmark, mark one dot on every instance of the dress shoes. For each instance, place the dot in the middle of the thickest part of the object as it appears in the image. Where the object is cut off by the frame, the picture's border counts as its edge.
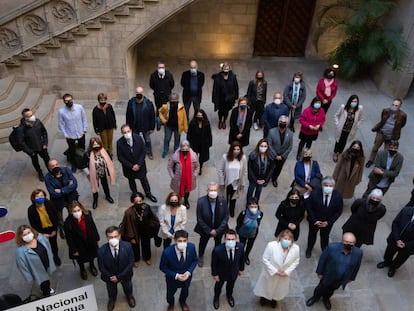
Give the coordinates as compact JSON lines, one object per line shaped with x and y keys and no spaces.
{"x":93,"y":270}
{"x":41,"y":177}
{"x":262,"y":301}
{"x":151,"y":197}
{"x":170,"y":308}
{"x":200,"y":261}
{"x":381,"y":265}
{"x":223,"y":125}
{"x":273,"y":304}
{"x":308,"y":253}
{"x":111,"y":304}
{"x":216,"y":303}
{"x":219,"y":125}
{"x":61,"y":233}
{"x":275,"y":184}
{"x":131,"y":301}
{"x":150,"y":156}
{"x":327,"y":304}
{"x":57,"y":261}
{"x":369,"y":163}
{"x":391,"y":272}
{"x":311,"y":301}
{"x":109,"y":199}
{"x":247,"y":261}
{"x":84,"y":274}
{"x":230,"y":301}
{"x":185,"y":307}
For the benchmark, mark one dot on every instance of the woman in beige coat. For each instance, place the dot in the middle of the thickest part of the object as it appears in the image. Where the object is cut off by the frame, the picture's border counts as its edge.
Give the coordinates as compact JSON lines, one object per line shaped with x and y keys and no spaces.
{"x":172,"y":216}
{"x":280,"y":258}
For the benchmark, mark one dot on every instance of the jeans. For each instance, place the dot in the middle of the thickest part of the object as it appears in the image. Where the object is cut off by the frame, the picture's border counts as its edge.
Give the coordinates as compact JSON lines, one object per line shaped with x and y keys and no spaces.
{"x":257,"y":189}
{"x":147,"y":139}
{"x":168,"y":131}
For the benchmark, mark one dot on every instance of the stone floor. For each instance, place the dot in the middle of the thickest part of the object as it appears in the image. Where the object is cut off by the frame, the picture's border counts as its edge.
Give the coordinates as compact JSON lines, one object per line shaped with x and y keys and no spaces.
{"x":372,"y":290}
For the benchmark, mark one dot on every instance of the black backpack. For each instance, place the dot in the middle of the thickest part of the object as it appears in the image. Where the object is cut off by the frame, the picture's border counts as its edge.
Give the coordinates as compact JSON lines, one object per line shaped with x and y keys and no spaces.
{"x":15,"y":138}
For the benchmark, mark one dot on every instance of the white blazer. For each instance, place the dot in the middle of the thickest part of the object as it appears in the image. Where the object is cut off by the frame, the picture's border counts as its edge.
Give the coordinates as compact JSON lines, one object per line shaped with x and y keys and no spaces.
{"x":164,"y":215}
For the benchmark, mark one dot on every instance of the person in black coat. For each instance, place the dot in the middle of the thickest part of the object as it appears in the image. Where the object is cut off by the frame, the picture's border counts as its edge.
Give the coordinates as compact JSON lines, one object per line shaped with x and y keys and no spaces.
{"x":324,"y":206}
{"x":256,"y":94}
{"x":199,"y":136}
{"x":227,"y":263}
{"x":290,"y":213}
{"x":240,"y":122}
{"x":400,"y":241}
{"x":162,"y":83}
{"x":43,"y":218}
{"x":192,"y":82}
{"x":131,"y":154}
{"x":104,"y":121}
{"x":225,"y":93}
{"x":365,"y":215}
{"x":34,"y":140}
{"x":82,"y":238}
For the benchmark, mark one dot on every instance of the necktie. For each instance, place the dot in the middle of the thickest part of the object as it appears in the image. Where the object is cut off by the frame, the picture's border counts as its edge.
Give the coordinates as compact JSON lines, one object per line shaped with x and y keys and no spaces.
{"x":231,"y":255}
{"x":182,"y":259}
{"x":326,"y":201}
{"x":116,"y":254}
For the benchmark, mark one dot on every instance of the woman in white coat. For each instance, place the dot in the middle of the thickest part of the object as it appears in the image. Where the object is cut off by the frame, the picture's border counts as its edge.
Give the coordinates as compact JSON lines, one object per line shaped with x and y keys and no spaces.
{"x":172,"y":216}
{"x":280,"y":258}
{"x":232,"y":173}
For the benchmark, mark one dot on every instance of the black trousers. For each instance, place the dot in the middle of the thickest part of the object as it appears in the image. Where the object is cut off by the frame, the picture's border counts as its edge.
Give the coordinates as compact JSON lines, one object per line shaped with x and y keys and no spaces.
{"x":402,"y":255}
{"x":35,"y":160}
{"x":45,"y":287}
{"x":229,"y":196}
{"x":278,"y":168}
{"x":326,"y":106}
{"x":105,"y":186}
{"x":72,"y":148}
{"x":229,"y":287}
{"x":340,"y":145}
{"x":203,"y":243}
{"x":172,"y":287}
{"x":305,"y":140}
{"x":248,"y":243}
{"x":195,"y":100}
{"x":145,"y":242}
{"x":325,"y":290}
{"x":324,"y":236}
{"x":258,"y":109}
{"x":112,"y":288}
{"x":144,"y":183}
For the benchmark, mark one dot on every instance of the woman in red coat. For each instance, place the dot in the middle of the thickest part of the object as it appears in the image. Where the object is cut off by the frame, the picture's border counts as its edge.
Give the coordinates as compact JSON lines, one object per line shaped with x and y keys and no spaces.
{"x":327,"y":88}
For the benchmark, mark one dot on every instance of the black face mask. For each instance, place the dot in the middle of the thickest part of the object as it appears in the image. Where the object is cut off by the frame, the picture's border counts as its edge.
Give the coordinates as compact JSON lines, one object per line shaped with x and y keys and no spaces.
{"x":373,"y":202}
{"x":138,"y":205}
{"x":56,"y":170}
{"x":392,"y":152}
{"x":294,"y":201}
{"x":140,"y":96}
{"x":259,"y":78}
{"x":102,"y":104}
{"x":96,"y":148}
{"x":347,"y":247}
{"x":69,"y":104}
{"x":307,"y":158}
{"x":243,"y":107}
{"x":330,"y":76}
{"x":184,"y":152}
{"x":173,"y":204}
{"x":174,"y":103}
{"x":199,"y":119}
{"x":355,"y":151}
{"x":282,"y":125}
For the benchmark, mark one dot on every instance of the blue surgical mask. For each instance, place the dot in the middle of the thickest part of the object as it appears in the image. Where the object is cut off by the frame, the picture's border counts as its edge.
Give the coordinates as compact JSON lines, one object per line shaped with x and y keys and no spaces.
{"x":286,"y":243}
{"x":327,"y":189}
{"x":354,"y":104}
{"x":317,"y":105}
{"x":40,"y":201}
{"x":230,"y":244}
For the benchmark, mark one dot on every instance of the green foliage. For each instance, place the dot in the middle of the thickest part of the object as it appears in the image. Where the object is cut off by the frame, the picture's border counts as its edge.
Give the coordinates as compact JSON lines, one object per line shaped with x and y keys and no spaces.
{"x":366,"y":42}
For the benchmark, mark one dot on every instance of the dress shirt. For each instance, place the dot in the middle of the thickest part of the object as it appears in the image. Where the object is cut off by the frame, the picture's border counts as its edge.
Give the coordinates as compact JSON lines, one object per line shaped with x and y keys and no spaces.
{"x":72,"y":122}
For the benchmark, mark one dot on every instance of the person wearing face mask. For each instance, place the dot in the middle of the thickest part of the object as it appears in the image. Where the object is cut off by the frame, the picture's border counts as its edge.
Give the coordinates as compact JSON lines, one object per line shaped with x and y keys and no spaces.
{"x":290,"y":213}
{"x":324,"y":206}
{"x":279,"y":259}
{"x":225,"y":93}
{"x":349,"y":169}
{"x":393,"y":119}
{"x":212,"y":219}
{"x":280,"y":142}
{"x":327,"y":88}
{"x":227,"y":263}
{"x":365,"y":215}
{"x":331,"y":270}
{"x":61,"y":185}
{"x":387,"y":167}
{"x":199,"y":136}
{"x":272,"y":113}
{"x":307,"y":174}
{"x":140,"y":116}
{"x":183,"y":168}
{"x":34,"y":258}
{"x":348,"y":119}
{"x":139,"y":225}
{"x":178,"y":262}
{"x":161,"y":82}
{"x":174,"y":118}
{"x":82,"y":238}
{"x":172,"y":216}
{"x":73,"y":125}
{"x":131,"y":154}
{"x":116,"y":261}
{"x":192,"y":82}
{"x":311,"y":120}
{"x":104,"y":121}
{"x":247,"y":227}
{"x":260,"y":167}
{"x":43,"y":218}
{"x":240,"y":122}
{"x":294,"y":95}
{"x":257,"y":94}
{"x":33,"y":139}
{"x":232,"y":173}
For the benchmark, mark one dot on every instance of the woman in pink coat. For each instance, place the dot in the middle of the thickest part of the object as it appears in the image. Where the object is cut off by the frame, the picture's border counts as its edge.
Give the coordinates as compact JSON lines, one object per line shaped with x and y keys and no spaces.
{"x":327,"y":88}
{"x":312,"y":120}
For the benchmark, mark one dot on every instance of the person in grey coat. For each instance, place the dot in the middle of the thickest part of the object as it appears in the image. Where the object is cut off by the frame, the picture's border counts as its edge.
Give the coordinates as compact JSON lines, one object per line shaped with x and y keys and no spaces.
{"x":294,"y":96}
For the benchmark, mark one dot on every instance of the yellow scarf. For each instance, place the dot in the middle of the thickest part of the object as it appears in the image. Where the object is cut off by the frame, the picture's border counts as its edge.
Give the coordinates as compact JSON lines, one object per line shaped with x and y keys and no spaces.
{"x":44,"y":217}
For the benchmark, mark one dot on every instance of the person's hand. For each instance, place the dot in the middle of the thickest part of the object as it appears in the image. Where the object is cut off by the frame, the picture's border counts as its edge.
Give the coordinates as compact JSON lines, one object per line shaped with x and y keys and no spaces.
{"x":400,"y":244}
{"x":113,"y":279}
{"x":44,"y":146}
{"x":320,"y":276}
{"x":70,"y":182}
{"x":238,"y":136}
{"x":135,"y":168}
{"x":221,"y":186}
{"x":241,"y":272}
{"x":291,"y":226}
{"x":58,"y":191}
{"x":133,"y":241}
{"x":216,"y":278}
{"x":53,"y":233}
{"x":241,"y":188}
{"x":325,"y":101}
{"x":324,"y":224}
{"x":213,"y":232}
{"x":260,"y":181}
{"x":76,"y":254}
{"x":279,"y":158}
{"x":378,"y":171}
{"x":317,"y":127}
{"x":308,"y":187}
{"x":293,"y":107}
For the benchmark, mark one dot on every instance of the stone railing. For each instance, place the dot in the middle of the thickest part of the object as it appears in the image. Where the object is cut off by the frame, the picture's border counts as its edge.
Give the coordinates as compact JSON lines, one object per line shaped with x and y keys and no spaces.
{"x":43,"y":21}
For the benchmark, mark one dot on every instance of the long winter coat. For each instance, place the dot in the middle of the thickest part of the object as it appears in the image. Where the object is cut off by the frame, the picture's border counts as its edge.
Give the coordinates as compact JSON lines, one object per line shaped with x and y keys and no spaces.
{"x":270,"y":285}
{"x":130,"y":156}
{"x":287,"y":214}
{"x":234,"y":128}
{"x":200,"y":140}
{"x":87,"y":247}
{"x":340,"y":118}
{"x":175,"y":170}
{"x":347,"y":180}
{"x":132,"y":228}
{"x":225,"y":92}
{"x":287,"y":97}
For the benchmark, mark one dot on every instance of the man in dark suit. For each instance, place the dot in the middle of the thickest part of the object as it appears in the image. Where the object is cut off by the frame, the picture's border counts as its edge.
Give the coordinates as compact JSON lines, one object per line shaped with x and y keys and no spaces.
{"x":192,"y":82}
{"x":227,"y":263}
{"x":338,"y":265}
{"x":131,"y":153}
{"x":162,"y":83}
{"x":116,"y":261}
{"x":324,"y":206}
{"x":212,"y":219}
{"x":178,"y":262}
{"x":280,"y":141}
{"x":400,"y":241}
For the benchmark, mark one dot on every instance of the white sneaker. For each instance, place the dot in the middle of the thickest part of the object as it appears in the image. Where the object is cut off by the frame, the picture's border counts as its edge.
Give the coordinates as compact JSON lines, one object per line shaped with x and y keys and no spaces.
{"x":52,"y":291}
{"x":256,"y":126}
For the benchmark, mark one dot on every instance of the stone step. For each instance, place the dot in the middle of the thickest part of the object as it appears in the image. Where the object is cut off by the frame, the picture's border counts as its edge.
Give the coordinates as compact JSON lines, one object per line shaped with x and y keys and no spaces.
{"x":14,"y":98}
{"x":43,"y":112}
{"x":31,"y":100}
{"x":6,"y":86}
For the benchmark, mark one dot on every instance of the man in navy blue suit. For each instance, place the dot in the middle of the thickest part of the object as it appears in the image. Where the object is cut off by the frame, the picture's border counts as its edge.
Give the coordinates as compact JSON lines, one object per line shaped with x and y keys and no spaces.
{"x":324,"y":206}
{"x":116,"y":260}
{"x":178,"y":262}
{"x":227,"y":262}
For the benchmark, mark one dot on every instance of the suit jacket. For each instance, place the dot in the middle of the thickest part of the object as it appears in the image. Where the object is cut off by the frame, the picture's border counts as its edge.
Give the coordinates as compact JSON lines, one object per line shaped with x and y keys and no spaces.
{"x":402,"y":229}
{"x":122,"y":268}
{"x":275,"y":145}
{"x":400,"y":120}
{"x":316,"y":210}
{"x":148,"y":115}
{"x":130,"y":156}
{"x":186,"y":81}
{"x":300,"y":173}
{"x":170,"y":263}
{"x":329,"y":262}
{"x":381,"y":162}
{"x":222,"y":266}
{"x":234,"y":128}
{"x":204,"y":216}
{"x":162,"y":87}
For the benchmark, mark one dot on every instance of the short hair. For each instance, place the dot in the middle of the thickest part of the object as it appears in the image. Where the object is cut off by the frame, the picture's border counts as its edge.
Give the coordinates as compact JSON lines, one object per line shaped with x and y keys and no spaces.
{"x":180,"y":234}
{"x":284,"y":118}
{"x":376,"y":193}
{"x":136,"y":195}
{"x":315,"y":100}
{"x":66,"y":95}
{"x":19,"y":234}
{"x":231,"y":231}
{"x":173,"y":96}
{"x":102,"y":96}
{"x":298,"y":73}
{"x":285,"y":232}
{"x":184,"y":143}
{"x":160,"y":63}
{"x":241,"y":99}
{"x":328,"y":179}
{"x":252,"y":201}
{"x":124,"y":126}
{"x":73,"y":204}
{"x":172,"y":194}
{"x":399,"y":99}
{"x":25,"y":110}
{"x":394,"y":143}
{"x":111,"y":229}
{"x":212,"y":184}
{"x":35,"y":193}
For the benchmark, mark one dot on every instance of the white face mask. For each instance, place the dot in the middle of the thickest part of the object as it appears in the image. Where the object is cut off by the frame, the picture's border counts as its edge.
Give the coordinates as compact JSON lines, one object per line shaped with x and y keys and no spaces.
{"x":128,"y":136}
{"x":327,"y":189}
{"x":181,"y":246}
{"x":161,"y":71}
{"x":32,"y":118}
{"x":262,"y":149}
{"x":28,"y":237}
{"x":77,"y":215}
{"x":193,"y":71}
{"x":253,"y":210}
{"x":212,"y":194}
{"x":113,"y":242}
{"x":297,"y":80}
{"x":277,"y":101}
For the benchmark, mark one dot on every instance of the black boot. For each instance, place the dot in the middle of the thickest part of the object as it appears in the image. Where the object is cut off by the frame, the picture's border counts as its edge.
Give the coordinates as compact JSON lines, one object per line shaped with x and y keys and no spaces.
{"x":186,"y":196}
{"x":95,"y":200}
{"x":105,"y":187}
{"x":93,"y":269}
{"x":232,"y":206}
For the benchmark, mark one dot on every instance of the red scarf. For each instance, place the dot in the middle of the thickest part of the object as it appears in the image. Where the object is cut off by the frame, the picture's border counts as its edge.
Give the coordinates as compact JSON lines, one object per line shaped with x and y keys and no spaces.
{"x":186,"y":184}
{"x":82,"y":226}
